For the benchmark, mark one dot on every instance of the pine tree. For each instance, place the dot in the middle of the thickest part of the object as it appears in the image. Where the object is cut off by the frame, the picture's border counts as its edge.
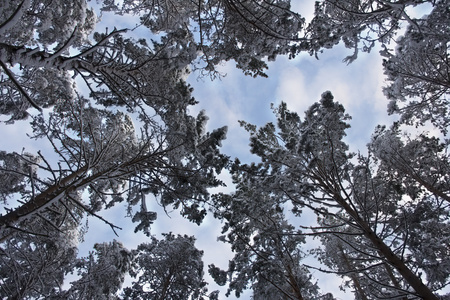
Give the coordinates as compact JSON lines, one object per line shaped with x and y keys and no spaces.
{"x":171,"y":268}
{"x":307,"y":164}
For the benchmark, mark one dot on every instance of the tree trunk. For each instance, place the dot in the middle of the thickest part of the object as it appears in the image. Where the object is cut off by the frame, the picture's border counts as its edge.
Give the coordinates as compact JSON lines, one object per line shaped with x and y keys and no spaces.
{"x":47,"y":197}
{"x":67,"y":185}
{"x":36,"y":58}
{"x":413,"y":280}
{"x":166,"y":286}
{"x":354,"y":278}
{"x":430,"y":187}
{"x":293,"y":284}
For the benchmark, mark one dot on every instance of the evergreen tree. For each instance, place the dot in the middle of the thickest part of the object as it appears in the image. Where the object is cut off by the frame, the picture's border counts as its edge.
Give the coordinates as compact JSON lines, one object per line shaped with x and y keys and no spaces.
{"x":101,"y":273}
{"x":417,"y":71}
{"x":114,"y":112}
{"x":267,"y":248}
{"x":307,"y":164}
{"x":171,"y":268}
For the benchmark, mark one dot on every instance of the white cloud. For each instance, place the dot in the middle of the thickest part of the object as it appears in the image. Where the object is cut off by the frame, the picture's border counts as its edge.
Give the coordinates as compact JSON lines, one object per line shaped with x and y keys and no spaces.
{"x":293,"y":90}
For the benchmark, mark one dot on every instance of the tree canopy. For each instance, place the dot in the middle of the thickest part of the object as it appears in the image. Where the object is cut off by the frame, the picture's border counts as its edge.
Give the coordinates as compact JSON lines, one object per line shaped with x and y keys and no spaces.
{"x":111,"y":113}
{"x":365,"y":211}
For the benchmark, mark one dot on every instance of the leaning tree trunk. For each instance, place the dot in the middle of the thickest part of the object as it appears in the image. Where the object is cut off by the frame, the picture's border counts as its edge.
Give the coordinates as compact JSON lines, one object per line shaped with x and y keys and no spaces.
{"x":331,"y":184}
{"x":354,"y":278}
{"x":413,"y":280}
{"x":49,"y":196}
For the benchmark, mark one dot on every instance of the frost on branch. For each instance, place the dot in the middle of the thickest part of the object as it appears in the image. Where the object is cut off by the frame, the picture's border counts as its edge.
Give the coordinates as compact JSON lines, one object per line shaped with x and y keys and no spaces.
{"x":171,"y":268}
{"x":365,"y":218}
{"x":101,"y":273}
{"x":418,"y":71}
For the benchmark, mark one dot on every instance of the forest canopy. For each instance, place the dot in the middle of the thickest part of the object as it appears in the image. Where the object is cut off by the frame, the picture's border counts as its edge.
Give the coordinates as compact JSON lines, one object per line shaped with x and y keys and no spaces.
{"x":112,"y":115}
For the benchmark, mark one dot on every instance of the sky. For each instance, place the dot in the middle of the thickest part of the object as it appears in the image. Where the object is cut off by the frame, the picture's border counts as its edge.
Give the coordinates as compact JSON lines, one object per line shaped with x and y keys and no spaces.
{"x":299,"y":83}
